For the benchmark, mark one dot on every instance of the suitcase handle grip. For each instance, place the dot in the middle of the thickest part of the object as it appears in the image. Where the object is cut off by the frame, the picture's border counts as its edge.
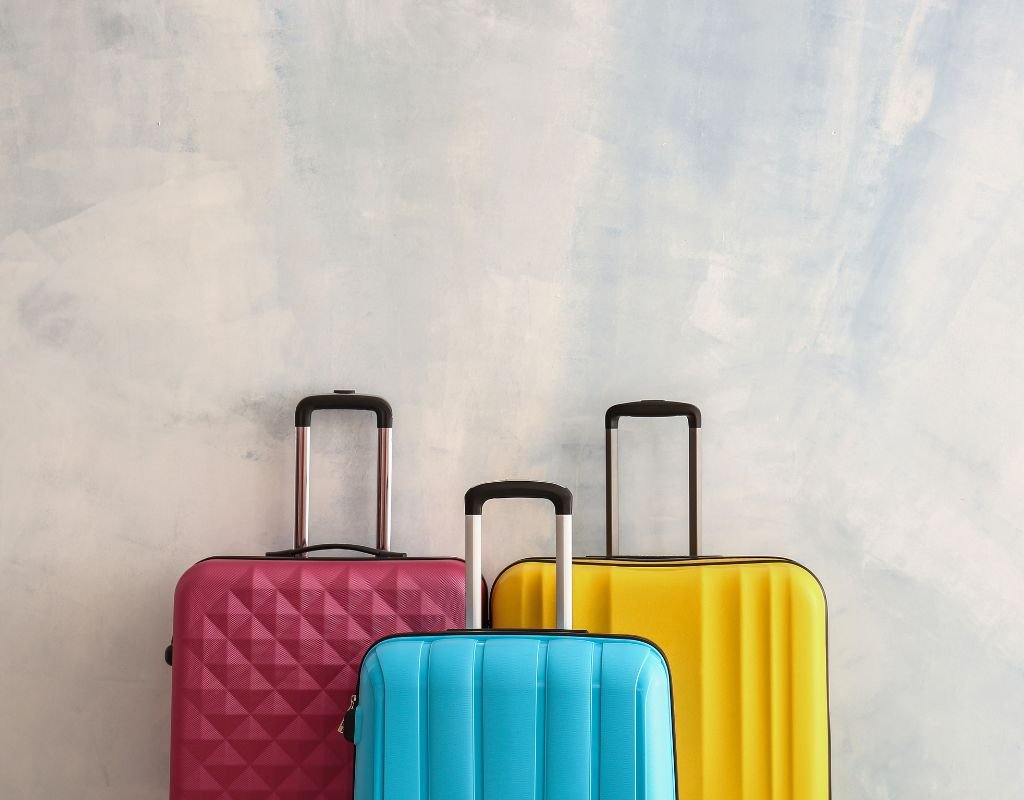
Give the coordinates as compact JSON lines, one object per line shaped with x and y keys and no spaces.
{"x":650,"y":408}
{"x":561,"y":499}
{"x":342,"y":399}
{"x":292,"y":552}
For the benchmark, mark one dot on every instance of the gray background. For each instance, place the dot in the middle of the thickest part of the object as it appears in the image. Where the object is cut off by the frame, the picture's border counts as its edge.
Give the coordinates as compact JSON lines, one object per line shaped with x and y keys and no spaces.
{"x":804,"y":216}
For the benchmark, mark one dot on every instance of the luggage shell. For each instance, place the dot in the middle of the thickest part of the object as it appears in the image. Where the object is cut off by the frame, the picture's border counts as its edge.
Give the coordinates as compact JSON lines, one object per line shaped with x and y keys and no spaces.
{"x":745,"y":638}
{"x":266,"y":656}
{"x":507,"y":716}
{"x":515,"y":715}
{"x":746,"y":643}
{"x":266,"y":650}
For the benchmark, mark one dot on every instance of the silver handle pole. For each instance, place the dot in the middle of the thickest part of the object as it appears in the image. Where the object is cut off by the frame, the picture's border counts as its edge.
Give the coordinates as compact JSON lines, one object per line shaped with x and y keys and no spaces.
{"x":301,"y":487}
{"x":563,"y":571}
{"x":384,"y":488}
{"x":474,"y":573}
{"x":696,"y":512}
{"x":474,"y":566}
{"x":611,"y":474}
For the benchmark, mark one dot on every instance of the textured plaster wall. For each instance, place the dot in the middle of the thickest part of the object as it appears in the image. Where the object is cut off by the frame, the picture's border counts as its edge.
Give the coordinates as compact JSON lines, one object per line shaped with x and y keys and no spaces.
{"x":803,"y":215}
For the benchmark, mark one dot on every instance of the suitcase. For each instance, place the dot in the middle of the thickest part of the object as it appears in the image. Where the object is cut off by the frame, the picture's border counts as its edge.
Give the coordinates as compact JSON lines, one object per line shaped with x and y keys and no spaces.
{"x":266,"y":650}
{"x":513,"y":715}
{"x":745,"y":638}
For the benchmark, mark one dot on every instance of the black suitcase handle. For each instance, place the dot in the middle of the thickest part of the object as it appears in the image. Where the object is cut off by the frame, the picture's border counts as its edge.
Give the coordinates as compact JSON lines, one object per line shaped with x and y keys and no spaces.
{"x":293,"y":552}
{"x":343,"y":399}
{"x":649,"y":408}
{"x":346,"y":400}
{"x":561,"y":499}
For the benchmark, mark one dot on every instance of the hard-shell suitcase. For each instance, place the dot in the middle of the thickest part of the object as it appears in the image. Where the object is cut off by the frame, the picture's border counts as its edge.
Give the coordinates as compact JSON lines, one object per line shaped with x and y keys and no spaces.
{"x":514,"y":715}
{"x":745,"y":638}
{"x":266,"y":650}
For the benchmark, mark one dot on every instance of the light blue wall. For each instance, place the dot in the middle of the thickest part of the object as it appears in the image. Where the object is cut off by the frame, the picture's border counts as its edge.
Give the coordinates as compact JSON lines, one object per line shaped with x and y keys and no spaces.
{"x":805,"y":216}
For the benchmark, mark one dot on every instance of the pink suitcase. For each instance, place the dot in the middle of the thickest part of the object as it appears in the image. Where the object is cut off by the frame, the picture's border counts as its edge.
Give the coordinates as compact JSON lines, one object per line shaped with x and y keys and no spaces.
{"x":266,"y":650}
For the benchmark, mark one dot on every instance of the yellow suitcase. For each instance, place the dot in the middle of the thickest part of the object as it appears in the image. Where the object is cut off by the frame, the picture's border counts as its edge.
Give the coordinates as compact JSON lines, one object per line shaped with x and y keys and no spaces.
{"x":745,"y":639}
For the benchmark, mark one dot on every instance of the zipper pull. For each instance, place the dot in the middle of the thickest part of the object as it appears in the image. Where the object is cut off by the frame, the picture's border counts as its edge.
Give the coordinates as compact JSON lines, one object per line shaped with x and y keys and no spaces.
{"x":348,"y":722}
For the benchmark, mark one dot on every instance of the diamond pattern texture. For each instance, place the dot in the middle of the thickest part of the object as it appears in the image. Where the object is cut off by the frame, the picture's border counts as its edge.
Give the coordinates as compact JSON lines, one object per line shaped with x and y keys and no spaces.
{"x":266,"y":659}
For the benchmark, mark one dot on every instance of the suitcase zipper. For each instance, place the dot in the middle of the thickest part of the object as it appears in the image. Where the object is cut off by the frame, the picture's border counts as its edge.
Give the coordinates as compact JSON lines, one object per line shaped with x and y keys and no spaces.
{"x":347,"y":726}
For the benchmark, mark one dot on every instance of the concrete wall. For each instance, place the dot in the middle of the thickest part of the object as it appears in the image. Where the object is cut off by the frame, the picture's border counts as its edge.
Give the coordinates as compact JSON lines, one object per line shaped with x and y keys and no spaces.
{"x":803,"y":215}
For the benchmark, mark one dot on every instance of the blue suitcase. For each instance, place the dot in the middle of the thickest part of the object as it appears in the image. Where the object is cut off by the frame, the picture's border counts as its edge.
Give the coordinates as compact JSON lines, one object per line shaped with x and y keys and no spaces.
{"x":513,"y":715}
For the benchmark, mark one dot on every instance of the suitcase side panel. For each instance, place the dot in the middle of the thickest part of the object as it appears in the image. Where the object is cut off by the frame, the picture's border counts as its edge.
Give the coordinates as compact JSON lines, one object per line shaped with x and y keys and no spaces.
{"x":505,"y":717}
{"x":746,"y":643}
{"x":266,"y":657}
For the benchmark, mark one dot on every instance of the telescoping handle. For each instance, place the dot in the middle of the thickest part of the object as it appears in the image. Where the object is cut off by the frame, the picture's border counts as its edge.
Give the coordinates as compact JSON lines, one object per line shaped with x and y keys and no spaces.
{"x":349,"y":401}
{"x":649,"y":408}
{"x":561,"y":499}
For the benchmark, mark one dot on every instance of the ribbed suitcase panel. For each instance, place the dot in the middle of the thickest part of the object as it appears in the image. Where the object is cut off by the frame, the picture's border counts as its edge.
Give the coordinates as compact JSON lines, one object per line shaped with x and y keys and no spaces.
{"x":501,"y":717}
{"x":453,"y":714}
{"x":266,"y":656}
{"x":746,"y":643}
{"x":574,"y":685}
